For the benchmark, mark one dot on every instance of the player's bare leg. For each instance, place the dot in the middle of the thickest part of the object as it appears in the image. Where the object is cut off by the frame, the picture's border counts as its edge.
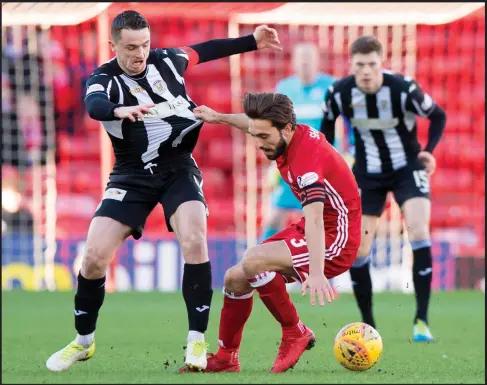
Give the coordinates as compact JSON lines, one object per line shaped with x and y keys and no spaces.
{"x":105,"y":236}
{"x":360,"y":270}
{"x":417,"y":212}
{"x":189,"y":224}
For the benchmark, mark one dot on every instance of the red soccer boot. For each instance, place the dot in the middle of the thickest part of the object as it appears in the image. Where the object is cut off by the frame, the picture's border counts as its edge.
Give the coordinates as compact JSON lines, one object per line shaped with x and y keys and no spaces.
{"x":292,"y":348}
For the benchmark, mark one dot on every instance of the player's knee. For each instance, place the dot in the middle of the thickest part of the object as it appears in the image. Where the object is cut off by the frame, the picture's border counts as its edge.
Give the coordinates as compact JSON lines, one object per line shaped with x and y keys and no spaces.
{"x":194,"y":247}
{"x":252,"y":262}
{"x":95,"y":262}
{"x":234,"y":281}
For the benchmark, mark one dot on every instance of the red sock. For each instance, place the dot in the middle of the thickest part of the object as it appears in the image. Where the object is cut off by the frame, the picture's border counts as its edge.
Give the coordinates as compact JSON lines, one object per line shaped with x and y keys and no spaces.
{"x":272,"y":291}
{"x":235,"y":313}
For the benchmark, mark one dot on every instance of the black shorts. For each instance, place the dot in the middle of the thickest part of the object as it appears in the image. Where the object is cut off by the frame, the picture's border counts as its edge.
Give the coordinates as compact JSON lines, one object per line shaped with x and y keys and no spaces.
{"x":406,"y":183}
{"x":130,"y":198}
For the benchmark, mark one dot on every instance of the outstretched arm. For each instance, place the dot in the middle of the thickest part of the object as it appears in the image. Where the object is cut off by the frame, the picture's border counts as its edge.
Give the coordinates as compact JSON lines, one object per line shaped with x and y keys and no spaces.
{"x":240,"y":121}
{"x":263,"y":37}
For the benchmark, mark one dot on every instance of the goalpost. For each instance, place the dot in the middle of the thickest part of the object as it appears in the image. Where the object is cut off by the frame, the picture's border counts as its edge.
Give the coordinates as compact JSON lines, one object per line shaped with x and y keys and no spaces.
{"x":332,"y":27}
{"x":29,"y":147}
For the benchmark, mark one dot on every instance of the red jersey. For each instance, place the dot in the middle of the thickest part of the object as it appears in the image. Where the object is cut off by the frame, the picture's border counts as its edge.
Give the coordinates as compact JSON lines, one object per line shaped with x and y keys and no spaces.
{"x":316,"y":172}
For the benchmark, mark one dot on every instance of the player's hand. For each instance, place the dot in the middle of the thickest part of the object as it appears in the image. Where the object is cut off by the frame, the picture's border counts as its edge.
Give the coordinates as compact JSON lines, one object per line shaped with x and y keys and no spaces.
{"x":318,"y":285}
{"x":429,"y":161}
{"x":267,"y":38}
{"x":206,"y":114}
{"x":133,"y":113}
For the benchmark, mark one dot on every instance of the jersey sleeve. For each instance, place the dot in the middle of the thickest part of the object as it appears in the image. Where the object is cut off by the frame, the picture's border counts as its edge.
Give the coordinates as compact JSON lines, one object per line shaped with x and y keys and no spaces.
{"x":330,"y":115}
{"x":102,"y":97}
{"x":330,"y":106}
{"x":101,"y":86}
{"x":309,"y":171}
{"x":419,"y":102}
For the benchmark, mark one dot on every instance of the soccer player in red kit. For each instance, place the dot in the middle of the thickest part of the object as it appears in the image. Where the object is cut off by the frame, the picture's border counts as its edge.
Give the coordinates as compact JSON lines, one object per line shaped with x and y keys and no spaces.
{"x":322,"y":245}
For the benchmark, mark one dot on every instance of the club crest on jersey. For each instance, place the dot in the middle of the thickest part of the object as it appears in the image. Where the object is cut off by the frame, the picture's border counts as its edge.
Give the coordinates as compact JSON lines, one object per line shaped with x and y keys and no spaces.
{"x":384,"y":104}
{"x":289,"y":177}
{"x":159,"y":87}
{"x":307,"y":179}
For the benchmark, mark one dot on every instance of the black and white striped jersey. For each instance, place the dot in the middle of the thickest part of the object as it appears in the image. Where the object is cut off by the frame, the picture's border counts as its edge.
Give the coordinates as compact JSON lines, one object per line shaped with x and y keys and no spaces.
{"x":168,"y":133}
{"x":384,"y":123}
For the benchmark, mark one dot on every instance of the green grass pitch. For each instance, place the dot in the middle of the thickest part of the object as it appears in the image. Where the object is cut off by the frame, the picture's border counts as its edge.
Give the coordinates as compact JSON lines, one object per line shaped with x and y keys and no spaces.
{"x":140,"y":339}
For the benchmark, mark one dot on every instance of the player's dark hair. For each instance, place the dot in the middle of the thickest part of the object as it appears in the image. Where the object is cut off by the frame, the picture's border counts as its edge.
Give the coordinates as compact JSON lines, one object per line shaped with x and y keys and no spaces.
{"x":127,"y":20}
{"x":365,"y":45}
{"x":277,"y":108}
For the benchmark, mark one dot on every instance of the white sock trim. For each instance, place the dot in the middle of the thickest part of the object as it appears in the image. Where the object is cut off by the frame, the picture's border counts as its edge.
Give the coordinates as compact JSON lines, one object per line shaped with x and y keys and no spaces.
{"x":193,"y":335}
{"x":262,"y":279}
{"x":85,"y":340}
{"x":239,"y":296}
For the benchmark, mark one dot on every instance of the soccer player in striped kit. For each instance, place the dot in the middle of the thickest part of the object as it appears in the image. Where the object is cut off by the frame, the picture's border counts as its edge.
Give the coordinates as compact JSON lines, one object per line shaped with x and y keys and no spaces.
{"x":141,"y":99}
{"x":382,"y":106}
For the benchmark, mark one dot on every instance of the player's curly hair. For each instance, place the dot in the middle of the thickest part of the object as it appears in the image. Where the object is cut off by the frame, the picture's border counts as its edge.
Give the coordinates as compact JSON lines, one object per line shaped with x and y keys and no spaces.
{"x":365,"y":45}
{"x":277,"y":108}
{"x":127,"y":20}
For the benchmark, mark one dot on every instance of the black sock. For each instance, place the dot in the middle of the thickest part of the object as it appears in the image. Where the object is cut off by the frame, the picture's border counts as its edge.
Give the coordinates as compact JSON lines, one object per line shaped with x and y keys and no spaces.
{"x":197,"y":293}
{"x":362,"y":288}
{"x":87,"y":302}
{"x":422,"y":277}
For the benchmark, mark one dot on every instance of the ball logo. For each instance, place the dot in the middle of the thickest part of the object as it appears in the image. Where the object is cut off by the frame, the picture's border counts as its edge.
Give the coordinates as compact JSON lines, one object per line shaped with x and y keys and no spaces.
{"x":307,"y":179}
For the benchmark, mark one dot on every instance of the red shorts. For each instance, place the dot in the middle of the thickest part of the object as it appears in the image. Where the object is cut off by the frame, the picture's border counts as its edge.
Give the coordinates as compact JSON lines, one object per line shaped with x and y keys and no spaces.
{"x":337,"y":259}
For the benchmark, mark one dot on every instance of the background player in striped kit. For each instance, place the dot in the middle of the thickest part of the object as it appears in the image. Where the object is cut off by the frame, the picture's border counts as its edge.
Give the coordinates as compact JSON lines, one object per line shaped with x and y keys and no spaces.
{"x":381,"y":106}
{"x":140,"y":97}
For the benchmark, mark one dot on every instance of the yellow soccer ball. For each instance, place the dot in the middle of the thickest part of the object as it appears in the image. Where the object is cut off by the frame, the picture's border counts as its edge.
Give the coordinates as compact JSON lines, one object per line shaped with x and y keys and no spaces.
{"x":358,"y":346}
